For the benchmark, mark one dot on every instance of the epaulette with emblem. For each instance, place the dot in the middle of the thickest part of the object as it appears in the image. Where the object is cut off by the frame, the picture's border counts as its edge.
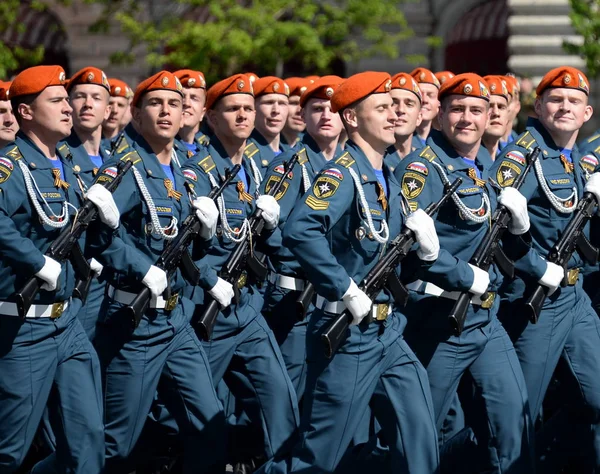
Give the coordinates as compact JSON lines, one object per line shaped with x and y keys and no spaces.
{"x":345,"y":160}
{"x":121,"y":144}
{"x":64,"y":151}
{"x":202,"y":140}
{"x":428,"y":153}
{"x":132,"y":156}
{"x":251,"y":150}
{"x":15,"y":153}
{"x":207,"y":164}
{"x":302,"y":156}
{"x":526,"y":141}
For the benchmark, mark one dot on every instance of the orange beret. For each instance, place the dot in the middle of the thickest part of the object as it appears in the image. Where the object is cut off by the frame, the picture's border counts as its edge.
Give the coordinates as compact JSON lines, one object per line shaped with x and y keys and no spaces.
{"x":4,"y":86}
{"x":89,"y":75}
{"x":297,"y":85}
{"x":312,"y":79}
{"x":425,"y":76}
{"x":270,"y":85}
{"x":406,"y":82}
{"x":238,"y":84}
{"x":189,"y":78}
{"x":358,"y":87}
{"x":163,"y":80}
{"x":468,"y":84}
{"x":35,"y":79}
{"x":512,"y":85}
{"x":119,"y":88}
{"x":443,"y":76}
{"x":251,"y":76}
{"x":497,"y":86}
{"x":564,"y":77}
{"x":321,"y":89}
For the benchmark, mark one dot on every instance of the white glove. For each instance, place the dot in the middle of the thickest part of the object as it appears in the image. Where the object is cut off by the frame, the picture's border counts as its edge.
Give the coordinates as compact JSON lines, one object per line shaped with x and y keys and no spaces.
{"x":96,"y":267}
{"x":270,"y":210}
{"x":222,"y":292}
{"x":516,"y":204}
{"x":593,"y":186}
{"x":553,"y":277}
{"x":156,"y":281}
{"x":424,"y":228}
{"x":207,"y":212}
{"x":357,"y":302}
{"x":107,"y":209}
{"x":49,"y":273}
{"x":481,"y":281}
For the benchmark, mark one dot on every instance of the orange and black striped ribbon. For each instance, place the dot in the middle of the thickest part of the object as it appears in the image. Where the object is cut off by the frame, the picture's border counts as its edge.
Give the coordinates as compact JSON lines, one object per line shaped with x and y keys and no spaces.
{"x":566,"y":163}
{"x":58,"y":181}
{"x":381,"y":198}
{"x":242,"y":194}
{"x":171,"y":192}
{"x":473,"y":175}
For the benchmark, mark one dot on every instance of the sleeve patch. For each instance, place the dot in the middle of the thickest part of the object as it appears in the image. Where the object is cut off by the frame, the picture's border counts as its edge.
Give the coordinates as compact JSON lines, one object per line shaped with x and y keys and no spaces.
{"x":6,"y":163}
{"x":316,"y":204}
{"x":6,"y":169}
{"x":281,"y":169}
{"x":189,"y":174}
{"x":325,"y":187}
{"x":589,"y":163}
{"x":418,"y":167}
{"x":517,"y":156}
{"x":412,"y":184}
{"x":333,"y":173}
{"x":272,"y":181}
{"x":507,"y":173}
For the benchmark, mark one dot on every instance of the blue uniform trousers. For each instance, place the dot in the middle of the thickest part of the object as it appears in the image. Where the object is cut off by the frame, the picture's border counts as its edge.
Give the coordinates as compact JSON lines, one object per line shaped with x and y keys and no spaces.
{"x":163,"y":347}
{"x":374,"y":367}
{"x":485,"y":350}
{"x":88,"y":314}
{"x":280,"y":312}
{"x":568,"y":327}
{"x":44,"y":360}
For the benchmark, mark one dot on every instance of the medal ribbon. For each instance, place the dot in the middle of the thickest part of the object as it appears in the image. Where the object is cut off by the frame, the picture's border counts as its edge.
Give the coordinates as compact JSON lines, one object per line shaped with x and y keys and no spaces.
{"x":171,"y":192}
{"x":242,"y":194}
{"x":381,"y":198}
{"x":473,"y":175}
{"x":566,"y":163}
{"x":58,"y":182}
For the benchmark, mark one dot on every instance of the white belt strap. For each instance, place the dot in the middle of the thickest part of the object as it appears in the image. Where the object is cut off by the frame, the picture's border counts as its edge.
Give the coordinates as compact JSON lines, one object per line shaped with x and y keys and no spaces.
{"x":125,"y":297}
{"x":338,"y":307}
{"x":286,"y":282}
{"x":8,"y":308}
{"x":427,"y":288}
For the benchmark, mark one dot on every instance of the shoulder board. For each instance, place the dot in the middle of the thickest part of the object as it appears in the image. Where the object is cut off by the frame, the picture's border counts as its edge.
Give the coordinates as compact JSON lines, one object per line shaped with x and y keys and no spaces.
{"x":64,"y":151}
{"x":345,"y":160}
{"x":207,"y":164}
{"x":121,"y":144}
{"x":15,"y":153}
{"x":202,"y":140}
{"x":428,"y":153}
{"x":592,"y":138}
{"x":251,"y":149}
{"x":132,"y":156}
{"x":302,"y":156}
{"x":526,"y":141}
{"x":597,"y":149}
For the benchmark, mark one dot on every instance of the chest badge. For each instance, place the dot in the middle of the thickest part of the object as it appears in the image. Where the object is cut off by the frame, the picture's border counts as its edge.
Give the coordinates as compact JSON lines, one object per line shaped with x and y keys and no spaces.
{"x":171,"y":192}
{"x":568,"y":166}
{"x":58,"y":181}
{"x":242,"y":194}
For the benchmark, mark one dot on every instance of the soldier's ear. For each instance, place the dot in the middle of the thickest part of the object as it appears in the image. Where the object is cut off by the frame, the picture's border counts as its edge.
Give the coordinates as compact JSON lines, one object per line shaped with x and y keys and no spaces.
{"x":537,"y":105}
{"x":25,"y":111}
{"x":349,"y":117}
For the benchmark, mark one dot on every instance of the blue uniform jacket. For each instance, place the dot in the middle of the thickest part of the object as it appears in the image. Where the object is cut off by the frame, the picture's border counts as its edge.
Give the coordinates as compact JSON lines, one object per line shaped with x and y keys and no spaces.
{"x":260,"y":151}
{"x":82,"y":167}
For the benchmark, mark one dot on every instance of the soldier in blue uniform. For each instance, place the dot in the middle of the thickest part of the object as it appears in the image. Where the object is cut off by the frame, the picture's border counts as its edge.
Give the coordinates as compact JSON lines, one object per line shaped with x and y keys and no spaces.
{"x":48,"y":351}
{"x":243,"y":350}
{"x":318,"y":146}
{"x":407,"y":104}
{"x":112,"y":127}
{"x":272,"y":100}
{"x":164,"y":347}
{"x":484,"y":349}
{"x":430,"y":104}
{"x":293,"y":130}
{"x":514,"y":107}
{"x":8,"y":123}
{"x":194,"y":99}
{"x":499,"y":100}
{"x":568,"y":327}
{"x":337,"y":231}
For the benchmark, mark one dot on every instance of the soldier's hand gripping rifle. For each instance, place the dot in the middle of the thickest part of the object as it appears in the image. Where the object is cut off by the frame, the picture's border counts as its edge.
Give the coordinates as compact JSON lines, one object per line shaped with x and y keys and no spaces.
{"x":489,"y":251}
{"x":66,"y":247}
{"x":241,"y":261}
{"x":175,"y":254}
{"x":571,"y":239}
{"x":382,"y":275}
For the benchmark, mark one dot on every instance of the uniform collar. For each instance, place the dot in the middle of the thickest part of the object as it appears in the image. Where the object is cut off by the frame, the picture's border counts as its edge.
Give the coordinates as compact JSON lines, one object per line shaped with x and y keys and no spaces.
{"x":31,"y":153}
{"x":79,"y":156}
{"x":152,"y":165}
{"x":365,"y":168}
{"x":452,"y":160}
{"x":543,"y":138}
{"x":223,"y":161}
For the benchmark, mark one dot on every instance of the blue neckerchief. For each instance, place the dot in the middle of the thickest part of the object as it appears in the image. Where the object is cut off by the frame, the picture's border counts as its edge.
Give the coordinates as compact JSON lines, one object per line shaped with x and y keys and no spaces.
{"x":381,"y":179}
{"x":472,"y":164}
{"x":169,"y":172}
{"x":58,"y":164}
{"x":96,"y":159}
{"x":567,"y":154}
{"x":243,"y":176}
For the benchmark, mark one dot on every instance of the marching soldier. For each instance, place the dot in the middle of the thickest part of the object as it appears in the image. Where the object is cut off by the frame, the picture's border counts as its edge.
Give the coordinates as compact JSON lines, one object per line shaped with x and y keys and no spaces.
{"x":430,"y":104}
{"x":484,"y":349}
{"x":407,"y":104}
{"x":194,"y":99}
{"x":164,"y":347}
{"x":294,"y":126}
{"x":113,"y":126}
{"x":242,"y":351}
{"x":47,"y":351}
{"x":443,"y":76}
{"x":514,"y":107}
{"x":567,"y":327}
{"x":499,"y":99}
{"x":337,"y":232}
{"x":8,"y":123}
{"x":318,"y":146}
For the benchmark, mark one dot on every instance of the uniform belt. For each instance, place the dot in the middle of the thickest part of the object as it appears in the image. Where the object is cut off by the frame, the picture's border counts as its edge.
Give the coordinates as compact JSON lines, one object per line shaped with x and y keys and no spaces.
{"x":430,"y":289}
{"x":379,"y":312}
{"x":125,"y":297}
{"x":52,"y":311}
{"x":572,"y":276}
{"x":287,"y":282}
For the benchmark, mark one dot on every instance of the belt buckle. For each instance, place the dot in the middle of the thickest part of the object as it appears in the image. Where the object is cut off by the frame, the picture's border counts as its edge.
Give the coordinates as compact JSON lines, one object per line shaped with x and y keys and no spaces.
{"x":489,"y":301}
{"x":382,"y":311}
{"x":572,"y":276}
{"x":57,"y":310}
{"x":171,"y":303}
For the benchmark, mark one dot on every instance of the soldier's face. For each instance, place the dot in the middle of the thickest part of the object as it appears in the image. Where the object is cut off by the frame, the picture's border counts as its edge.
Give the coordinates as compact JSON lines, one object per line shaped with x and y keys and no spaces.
{"x":374,"y":121}
{"x":8,"y":123}
{"x":49,"y":114}
{"x":193,"y":106}
{"x":159,"y":115}
{"x":295,"y":122}
{"x":431,"y":105}
{"x":563,"y":111}
{"x":464,"y":120}
{"x":321,"y":122}
{"x":90,"y":106}
{"x":271,"y":114}
{"x":408,"y":110}
{"x":498,"y":117}
{"x":233,"y":117}
{"x":117,"y":107}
